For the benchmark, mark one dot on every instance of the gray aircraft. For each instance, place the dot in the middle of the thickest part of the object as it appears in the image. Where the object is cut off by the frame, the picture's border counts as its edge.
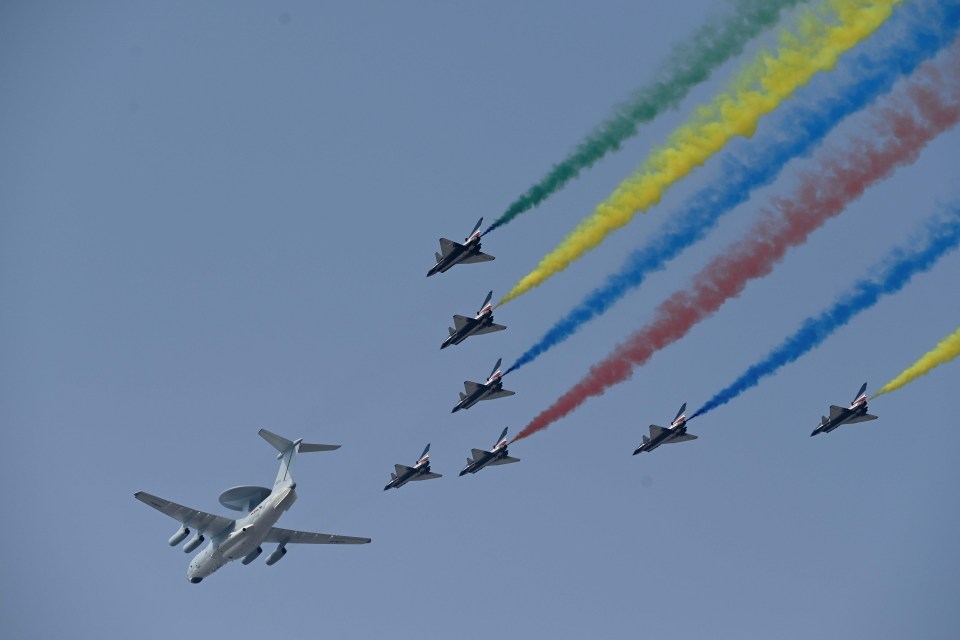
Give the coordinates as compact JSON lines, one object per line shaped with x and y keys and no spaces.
{"x":856,"y":412}
{"x":419,"y":471}
{"x":676,"y":432}
{"x":481,"y":458}
{"x":453,"y":253}
{"x":241,"y":539}
{"x":489,"y":390}
{"x":465,"y":327}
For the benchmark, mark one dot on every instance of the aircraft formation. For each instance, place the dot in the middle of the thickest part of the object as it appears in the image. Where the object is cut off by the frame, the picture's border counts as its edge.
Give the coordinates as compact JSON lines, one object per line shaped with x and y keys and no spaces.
{"x":921,"y":76}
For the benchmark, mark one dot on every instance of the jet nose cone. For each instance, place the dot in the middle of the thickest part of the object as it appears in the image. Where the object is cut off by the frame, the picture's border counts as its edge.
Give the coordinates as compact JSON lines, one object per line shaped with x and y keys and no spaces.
{"x":463,"y":473}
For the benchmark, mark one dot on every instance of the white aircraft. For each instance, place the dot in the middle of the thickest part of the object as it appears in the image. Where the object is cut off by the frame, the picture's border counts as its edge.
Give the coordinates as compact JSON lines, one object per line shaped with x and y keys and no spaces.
{"x":241,"y":539}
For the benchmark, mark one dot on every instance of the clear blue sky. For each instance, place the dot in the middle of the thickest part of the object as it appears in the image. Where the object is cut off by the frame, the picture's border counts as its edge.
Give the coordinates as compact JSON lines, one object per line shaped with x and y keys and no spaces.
{"x":216,"y":217}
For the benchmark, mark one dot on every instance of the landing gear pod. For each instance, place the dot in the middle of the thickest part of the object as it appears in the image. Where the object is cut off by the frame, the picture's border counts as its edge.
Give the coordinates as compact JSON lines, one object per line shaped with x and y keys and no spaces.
{"x":274,"y":557}
{"x":179,"y":536}
{"x":253,"y":555}
{"x":195,"y":542}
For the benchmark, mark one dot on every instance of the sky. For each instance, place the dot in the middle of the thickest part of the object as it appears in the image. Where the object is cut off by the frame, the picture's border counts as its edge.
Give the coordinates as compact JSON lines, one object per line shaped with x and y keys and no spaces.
{"x":217,"y":217}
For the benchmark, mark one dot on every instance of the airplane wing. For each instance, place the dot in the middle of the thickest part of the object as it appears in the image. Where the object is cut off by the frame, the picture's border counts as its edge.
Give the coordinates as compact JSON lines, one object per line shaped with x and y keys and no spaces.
{"x":479,"y":453}
{"x":402,"y":469}
{"x":503,"y":393}
{"x":489,"y":329}
{"x":427,"y":476}
{"x":288,"y":536}
{"x":862,"y":418}
{"x":459,"y":322}
{"x":479,"y":257}
{"x":836,"y":411}
{"x":656,"y":431}
{"x":683,"y":438}
{"x":446,"y":246}
{"x":504,"y":460}
{"x":471,"y":386}
{"x":199,"y":520}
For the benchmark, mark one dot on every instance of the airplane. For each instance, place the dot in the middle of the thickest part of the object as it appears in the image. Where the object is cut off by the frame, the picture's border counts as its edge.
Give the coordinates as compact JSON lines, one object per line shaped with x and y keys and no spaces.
{"x":490,"y":390}
{"x":481,"y":458}
{"x":856,"y":412}
{"x":241,"y":539}
{"x":454,"y":253}
{"x":676,"y":432}
{"x":466,"y":327}
{"x":419,"y":471}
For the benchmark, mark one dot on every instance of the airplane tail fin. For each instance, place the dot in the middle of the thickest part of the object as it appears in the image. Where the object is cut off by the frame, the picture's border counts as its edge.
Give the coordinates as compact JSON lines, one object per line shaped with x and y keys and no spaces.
{"x":288,"y":452}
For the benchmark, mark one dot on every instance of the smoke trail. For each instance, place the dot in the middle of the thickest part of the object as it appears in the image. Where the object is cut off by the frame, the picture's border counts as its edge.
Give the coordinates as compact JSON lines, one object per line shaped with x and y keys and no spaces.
{"x":758,"y":89}
{"x":945,"y":351}
{"x":942,"y":235}
{"x":919,"y":116}
{"x":689,"y":64}
{"x":926,"y":28}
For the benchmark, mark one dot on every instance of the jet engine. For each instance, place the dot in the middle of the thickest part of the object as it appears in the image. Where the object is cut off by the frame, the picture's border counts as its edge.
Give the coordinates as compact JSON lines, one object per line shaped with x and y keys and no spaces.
{"x":274,"y":557}
{"x":179,"y":536}
{"x":253,"y":555}
{"x":194,"y":542}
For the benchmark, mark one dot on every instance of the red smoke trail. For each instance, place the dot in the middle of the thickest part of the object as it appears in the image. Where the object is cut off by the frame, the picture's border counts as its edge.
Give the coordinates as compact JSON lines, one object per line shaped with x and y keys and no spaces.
{"x":904,"y":125}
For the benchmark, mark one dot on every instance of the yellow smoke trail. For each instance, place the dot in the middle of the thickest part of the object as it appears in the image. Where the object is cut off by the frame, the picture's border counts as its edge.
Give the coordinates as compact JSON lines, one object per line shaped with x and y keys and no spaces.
{"x":945,"y":351}
{"x":822,"y":36}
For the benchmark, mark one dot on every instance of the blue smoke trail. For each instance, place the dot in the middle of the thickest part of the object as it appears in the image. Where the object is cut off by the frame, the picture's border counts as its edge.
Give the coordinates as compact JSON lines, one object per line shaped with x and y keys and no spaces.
{"x":942,"y":236}
{"x":926,"y":28}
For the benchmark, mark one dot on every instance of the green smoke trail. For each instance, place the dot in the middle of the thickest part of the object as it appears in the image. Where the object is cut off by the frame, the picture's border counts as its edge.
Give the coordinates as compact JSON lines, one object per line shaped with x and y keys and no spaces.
{"x":689,"y":64}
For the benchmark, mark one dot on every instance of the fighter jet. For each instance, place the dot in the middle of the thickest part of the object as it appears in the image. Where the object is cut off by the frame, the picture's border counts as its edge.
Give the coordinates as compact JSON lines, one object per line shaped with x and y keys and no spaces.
{"x":490,"y":390}
{"x":419,"y":471}
{"x":465,"y":327}
{"x":676,"y":432}
{"x":241,"y":539}
{"x":481,"y":458}
{"x":455,"y":253}
{"x":856,"y":412}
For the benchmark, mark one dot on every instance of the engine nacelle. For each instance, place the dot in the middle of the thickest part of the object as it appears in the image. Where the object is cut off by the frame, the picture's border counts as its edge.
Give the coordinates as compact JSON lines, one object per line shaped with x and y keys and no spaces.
{"x":194,"y":542}
{"x":179,"y":536}
{"x":274,"y":557}
{"x":253,"y":555}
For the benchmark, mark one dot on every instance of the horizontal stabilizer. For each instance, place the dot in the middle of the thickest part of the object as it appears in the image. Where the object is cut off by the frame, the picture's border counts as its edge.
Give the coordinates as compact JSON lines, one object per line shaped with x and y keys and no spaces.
{"x":308,"y":448}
